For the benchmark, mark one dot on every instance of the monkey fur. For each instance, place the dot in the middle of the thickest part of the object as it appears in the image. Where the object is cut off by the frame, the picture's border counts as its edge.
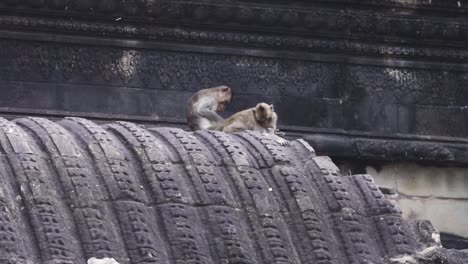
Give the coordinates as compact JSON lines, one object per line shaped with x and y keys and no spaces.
{"x":203,"y":105}
{"x":260,"y":118}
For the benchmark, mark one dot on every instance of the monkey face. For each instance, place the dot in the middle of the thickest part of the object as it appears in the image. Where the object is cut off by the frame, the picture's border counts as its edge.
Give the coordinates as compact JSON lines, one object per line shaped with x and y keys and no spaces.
{"x":226,"y":94}
{"x":224,"y":98}
{"x":266,"y":123}
{"x":263,"y":114}
{"x":225,"y":89}
{"x":221,"y":106}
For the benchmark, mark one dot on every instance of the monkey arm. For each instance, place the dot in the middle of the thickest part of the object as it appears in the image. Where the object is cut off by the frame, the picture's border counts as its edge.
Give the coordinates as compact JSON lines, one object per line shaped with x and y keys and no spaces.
{"x":279,"y":133}
{"x":207,"y":108}
{"x":210,"y":115}
{"x":274,"y":135}
{"x":279,"y":139}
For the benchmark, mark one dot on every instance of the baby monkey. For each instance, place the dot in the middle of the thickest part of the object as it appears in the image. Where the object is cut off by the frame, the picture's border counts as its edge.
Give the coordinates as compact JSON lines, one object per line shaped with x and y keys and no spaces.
{"x":260,"y":118}
{"x":203,"y":105}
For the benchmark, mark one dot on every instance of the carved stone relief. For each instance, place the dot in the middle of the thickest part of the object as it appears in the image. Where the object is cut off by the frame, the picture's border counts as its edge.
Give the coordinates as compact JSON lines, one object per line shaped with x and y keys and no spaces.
{"x":330,"y":95}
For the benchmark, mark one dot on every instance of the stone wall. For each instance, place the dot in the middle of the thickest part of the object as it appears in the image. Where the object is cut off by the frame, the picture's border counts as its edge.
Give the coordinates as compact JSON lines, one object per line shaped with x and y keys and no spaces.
{"x":358,"y":79}
{"x":435,"y":193}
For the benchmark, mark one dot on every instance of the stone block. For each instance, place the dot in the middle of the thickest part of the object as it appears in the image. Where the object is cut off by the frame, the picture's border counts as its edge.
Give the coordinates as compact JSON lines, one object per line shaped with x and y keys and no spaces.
{"x":415,"y":180}
{"x":383,"y":178}
{"x":440,"y":121}
{"x":447,"y":215}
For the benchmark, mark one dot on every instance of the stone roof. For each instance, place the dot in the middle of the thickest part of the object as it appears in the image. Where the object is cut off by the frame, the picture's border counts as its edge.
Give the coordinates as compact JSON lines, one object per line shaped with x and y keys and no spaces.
{"x":74,"y":190}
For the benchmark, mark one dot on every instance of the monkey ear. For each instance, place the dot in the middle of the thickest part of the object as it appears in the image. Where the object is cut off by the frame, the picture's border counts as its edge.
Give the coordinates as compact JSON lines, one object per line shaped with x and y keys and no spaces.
{"x":225,"y":89}
{"x":271,"y":107}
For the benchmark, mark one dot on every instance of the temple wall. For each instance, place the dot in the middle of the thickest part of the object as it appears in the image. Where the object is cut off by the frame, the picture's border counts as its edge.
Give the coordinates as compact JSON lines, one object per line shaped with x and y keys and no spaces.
{"x":373,"y":80}
{"x":369,"y":82}
{"x":435,"y":193}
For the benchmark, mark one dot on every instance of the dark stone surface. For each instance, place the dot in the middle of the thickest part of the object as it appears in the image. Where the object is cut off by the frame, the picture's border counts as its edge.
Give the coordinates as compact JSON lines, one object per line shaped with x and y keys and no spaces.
{"x":432,"y":150}
{"x":74,"y":190}
{"x":391,"y":73}
{"x":453,"y":241}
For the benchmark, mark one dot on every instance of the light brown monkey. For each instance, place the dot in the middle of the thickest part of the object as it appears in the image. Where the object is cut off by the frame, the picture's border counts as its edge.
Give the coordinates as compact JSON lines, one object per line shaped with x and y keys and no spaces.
{"x":203,"y":105}
{"x":259,"y":118}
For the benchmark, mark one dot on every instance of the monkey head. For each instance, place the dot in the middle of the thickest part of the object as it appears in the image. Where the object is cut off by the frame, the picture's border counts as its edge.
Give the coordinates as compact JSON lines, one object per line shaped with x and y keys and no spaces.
{"x":223,"y":96}
{"x":264,"y":115}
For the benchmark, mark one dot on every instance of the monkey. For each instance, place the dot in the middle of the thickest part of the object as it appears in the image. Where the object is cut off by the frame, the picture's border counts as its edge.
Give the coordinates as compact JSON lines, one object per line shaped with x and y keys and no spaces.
{"x":261,"y":118}
{"x":203,"y":105}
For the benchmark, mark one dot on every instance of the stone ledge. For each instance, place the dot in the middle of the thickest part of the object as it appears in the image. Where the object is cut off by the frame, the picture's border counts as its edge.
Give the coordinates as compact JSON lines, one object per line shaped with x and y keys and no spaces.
{"x":369,"y":147}
{"x":442,"y":151}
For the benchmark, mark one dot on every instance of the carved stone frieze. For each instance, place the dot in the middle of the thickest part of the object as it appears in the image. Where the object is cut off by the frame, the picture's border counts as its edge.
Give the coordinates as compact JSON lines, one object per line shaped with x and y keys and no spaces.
{"x":391,"y":68}
{"x":319,"y":19}
{"x":331,"y":95}
{"x":408,"y":86}
{"x":236,"y":39}
{"x":164,"y":70}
